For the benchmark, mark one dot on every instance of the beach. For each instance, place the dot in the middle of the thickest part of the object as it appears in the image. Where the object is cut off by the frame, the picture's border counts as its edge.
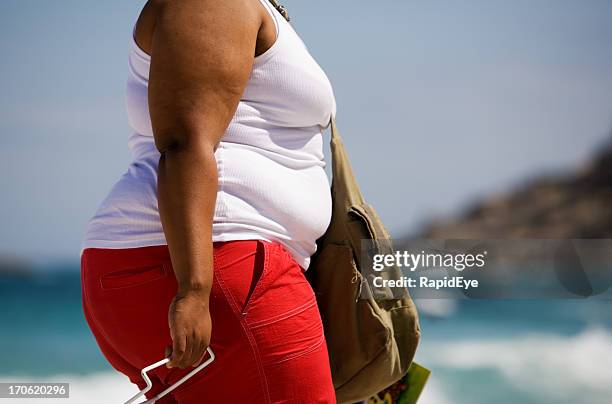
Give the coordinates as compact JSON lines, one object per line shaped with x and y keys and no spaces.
{"x":479,"y":351}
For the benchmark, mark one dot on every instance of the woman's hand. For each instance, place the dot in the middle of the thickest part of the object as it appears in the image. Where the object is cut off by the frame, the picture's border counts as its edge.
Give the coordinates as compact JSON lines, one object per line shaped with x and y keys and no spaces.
{"x":190,"y":329}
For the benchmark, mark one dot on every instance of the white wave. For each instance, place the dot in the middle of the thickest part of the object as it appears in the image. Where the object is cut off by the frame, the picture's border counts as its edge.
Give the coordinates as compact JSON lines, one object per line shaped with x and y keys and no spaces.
{"x":434,"y":393}
{"x":436,"y":307}
{"x":94,"y":388}
{"x":550,"y":367}
{"x":541,"y":364}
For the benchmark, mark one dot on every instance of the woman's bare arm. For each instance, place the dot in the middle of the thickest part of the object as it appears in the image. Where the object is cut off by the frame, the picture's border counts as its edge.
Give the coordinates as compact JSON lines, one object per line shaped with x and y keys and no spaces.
{"x":201,"y":58}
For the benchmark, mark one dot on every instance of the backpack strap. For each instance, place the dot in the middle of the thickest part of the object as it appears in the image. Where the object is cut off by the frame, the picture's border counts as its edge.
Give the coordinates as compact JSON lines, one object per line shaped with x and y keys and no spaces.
{"x":345,"y":189}
{"x":280,"y":8}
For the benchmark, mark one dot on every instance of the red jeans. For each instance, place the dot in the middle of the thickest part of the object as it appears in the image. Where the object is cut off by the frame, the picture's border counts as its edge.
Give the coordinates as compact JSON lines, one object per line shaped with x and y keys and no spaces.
{"x":267,"y":334}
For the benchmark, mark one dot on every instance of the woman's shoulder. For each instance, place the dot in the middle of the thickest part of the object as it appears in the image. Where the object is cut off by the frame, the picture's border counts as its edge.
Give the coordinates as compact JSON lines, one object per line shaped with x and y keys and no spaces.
{"x":145,"y":25}
{"x":179,"y":12}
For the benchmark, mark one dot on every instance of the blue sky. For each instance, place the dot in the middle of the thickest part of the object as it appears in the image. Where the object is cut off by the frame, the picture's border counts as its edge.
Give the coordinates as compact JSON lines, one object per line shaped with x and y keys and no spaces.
{"x":439,"y":102}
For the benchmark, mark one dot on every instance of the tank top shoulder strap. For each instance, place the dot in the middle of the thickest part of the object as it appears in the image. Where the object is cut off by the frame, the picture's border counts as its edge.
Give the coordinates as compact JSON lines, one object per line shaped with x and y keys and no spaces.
{"x":273,"y":13}
{"x":282,"y":10}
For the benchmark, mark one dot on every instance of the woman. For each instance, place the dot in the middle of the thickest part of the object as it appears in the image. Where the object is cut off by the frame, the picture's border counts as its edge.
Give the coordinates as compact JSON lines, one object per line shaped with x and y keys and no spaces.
{"x":205,"y":239}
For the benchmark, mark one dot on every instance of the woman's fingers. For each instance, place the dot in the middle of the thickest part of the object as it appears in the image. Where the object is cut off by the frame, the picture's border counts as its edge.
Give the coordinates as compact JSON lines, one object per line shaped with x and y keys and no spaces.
{"x":195,"y":352}
{"x":201,"y":353}
{"x":179,"y":345}
{"x":189,"y":352}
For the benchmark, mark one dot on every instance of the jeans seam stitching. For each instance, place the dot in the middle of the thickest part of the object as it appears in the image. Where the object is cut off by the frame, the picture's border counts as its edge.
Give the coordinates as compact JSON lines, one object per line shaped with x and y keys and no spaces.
{"x":251,"y":337}
{"x":257,"y":291}
{"x":302,"y":353}
{"x":248,"y":334}
{"x":293,"y":312}
{"x":228,"y":296}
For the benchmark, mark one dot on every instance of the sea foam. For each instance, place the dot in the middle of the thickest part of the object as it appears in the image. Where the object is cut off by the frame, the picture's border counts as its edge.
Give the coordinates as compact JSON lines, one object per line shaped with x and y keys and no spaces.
{"x":543,"y":365}
{"x":548,"y":367}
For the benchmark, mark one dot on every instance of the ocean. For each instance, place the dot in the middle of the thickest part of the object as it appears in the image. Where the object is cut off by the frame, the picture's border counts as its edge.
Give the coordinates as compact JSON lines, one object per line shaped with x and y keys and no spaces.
{"x":479,"y":351}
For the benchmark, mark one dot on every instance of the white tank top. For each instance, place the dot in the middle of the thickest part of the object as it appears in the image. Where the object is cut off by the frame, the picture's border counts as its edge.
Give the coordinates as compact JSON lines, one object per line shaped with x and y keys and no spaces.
{"x":272,"y":182}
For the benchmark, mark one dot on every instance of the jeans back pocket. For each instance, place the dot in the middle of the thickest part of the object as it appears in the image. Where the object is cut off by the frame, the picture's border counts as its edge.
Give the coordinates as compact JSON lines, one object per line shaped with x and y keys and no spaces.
{"x":130,"y":277}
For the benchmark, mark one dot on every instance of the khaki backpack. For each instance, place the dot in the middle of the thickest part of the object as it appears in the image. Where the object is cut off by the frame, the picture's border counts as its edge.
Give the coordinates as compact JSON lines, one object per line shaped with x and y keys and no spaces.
{"x":371,"y":342}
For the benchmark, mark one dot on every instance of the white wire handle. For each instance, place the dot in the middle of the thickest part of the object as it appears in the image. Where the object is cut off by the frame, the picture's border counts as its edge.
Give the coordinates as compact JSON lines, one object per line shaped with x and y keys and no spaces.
{"x":174,"y":386}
